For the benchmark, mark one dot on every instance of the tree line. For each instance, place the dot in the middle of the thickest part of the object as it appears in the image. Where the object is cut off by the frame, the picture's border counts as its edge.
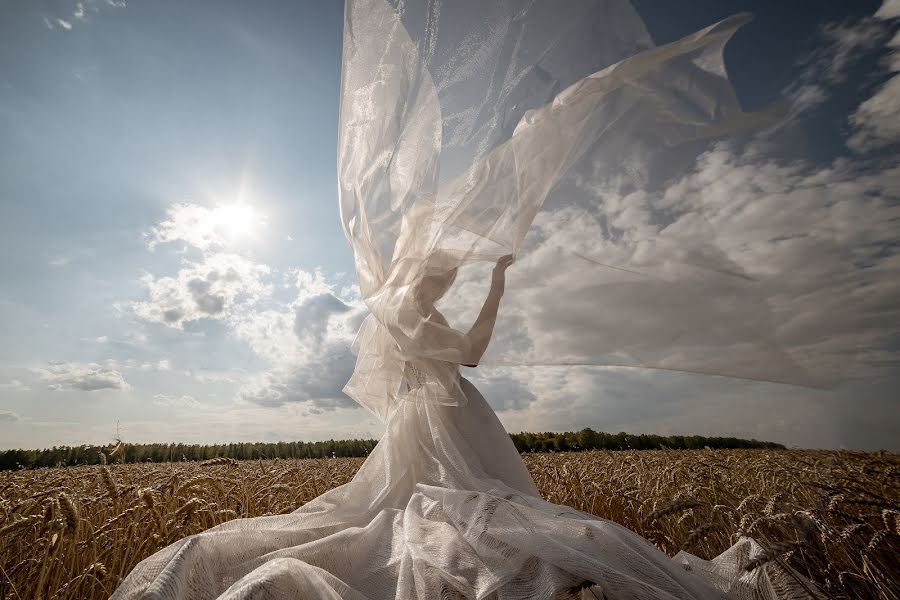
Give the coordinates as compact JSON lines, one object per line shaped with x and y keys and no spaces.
{"x":586,"y":439}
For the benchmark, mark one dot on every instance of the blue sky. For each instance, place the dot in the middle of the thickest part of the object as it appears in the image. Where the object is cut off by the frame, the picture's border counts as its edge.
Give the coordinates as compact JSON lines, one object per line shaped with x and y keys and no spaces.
{"x":171,"y":256}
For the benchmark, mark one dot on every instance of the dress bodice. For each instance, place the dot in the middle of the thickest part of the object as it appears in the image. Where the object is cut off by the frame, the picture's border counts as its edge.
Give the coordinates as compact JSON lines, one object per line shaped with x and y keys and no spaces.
{"x":415,"y":376}
{"x":444,"y":375}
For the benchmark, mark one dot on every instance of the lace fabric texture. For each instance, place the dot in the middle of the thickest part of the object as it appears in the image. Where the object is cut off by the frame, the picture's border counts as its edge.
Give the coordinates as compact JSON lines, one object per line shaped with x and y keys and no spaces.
{"x":415,"y":377}
{"x":459,"y":122}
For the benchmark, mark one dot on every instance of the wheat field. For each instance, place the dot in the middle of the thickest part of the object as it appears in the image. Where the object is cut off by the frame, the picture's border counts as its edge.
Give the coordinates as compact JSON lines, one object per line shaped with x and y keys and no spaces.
{"x":834,"y":517}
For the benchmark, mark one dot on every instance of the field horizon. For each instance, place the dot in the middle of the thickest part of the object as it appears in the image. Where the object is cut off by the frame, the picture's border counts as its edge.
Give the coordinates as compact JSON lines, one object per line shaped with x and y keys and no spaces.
{"x":525,"y":442}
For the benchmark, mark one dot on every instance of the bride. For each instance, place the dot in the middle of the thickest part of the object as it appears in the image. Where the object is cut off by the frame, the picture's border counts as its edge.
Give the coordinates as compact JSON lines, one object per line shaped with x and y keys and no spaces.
{"x":451,"y":139}
{"x":443,"y":508}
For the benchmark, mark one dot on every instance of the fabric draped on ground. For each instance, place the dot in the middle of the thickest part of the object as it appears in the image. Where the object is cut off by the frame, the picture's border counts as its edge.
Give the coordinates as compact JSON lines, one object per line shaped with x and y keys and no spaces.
{"x":443,"y":508}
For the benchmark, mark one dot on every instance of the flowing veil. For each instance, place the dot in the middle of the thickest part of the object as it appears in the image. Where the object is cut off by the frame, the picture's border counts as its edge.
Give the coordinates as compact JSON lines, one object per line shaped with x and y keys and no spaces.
{"x":471,"y":130}
{"x":461,"y":121}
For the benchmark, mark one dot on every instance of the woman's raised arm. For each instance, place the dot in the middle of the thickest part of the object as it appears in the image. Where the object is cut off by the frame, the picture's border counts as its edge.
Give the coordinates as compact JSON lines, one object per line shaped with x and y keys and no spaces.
{"x":479,"y":335}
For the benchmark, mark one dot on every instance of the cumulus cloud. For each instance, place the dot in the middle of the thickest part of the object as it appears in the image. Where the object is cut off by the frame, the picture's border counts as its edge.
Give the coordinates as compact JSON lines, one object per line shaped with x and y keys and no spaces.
{"x":745,"y":267}
{"x":85,"y":377}
{"x":203,"y":227}
{"x":217,"y":284}
{"x":504,"y":389}
{"x":305,"y":342}
{"x":748,"y":264}
{"x":308,"y":345}
{"x":208,"y":289}
{"x":317,"y":380}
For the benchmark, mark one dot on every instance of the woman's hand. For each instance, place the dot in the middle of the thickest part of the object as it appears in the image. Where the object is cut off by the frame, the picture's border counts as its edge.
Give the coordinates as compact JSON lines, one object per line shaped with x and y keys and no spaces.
{"x":498,"y":278}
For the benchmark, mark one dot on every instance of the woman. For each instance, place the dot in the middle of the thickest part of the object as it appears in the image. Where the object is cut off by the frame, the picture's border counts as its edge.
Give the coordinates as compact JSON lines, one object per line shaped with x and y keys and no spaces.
{"x":443,"y":508}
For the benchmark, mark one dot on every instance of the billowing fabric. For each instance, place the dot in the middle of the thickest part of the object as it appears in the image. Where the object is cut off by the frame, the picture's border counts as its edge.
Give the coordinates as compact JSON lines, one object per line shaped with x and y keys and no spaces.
{"x":460,"y":122}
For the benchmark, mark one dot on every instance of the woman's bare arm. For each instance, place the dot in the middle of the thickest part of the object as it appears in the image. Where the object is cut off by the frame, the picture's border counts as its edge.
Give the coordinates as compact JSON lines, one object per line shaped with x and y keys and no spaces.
{"x":479,"y":335}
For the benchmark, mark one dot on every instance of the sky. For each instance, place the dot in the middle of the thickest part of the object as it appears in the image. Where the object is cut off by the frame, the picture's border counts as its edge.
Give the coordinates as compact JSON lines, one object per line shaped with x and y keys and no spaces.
{"x":172,"y":266}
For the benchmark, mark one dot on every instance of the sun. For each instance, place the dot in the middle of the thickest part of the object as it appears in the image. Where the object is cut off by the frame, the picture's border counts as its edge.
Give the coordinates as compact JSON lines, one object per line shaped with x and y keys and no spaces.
{"x":235,"y":221}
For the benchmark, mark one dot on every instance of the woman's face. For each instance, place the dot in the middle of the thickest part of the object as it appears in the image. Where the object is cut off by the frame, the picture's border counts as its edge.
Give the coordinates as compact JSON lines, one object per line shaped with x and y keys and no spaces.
{"x":432,"y":287}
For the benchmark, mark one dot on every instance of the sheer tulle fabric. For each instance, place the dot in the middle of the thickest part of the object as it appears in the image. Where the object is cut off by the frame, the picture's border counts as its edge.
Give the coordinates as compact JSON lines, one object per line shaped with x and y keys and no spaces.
{"x":459,"y":122}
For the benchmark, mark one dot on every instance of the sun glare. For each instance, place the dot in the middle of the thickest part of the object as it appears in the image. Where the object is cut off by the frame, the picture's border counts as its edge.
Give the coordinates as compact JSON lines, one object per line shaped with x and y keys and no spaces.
{"x":236,"y":221}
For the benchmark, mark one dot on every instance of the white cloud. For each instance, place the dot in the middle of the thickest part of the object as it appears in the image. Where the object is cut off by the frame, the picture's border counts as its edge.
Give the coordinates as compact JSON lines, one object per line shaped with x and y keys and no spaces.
{"x":890,"y":9}
{"x":180,"y":402}
{"x":813,"y":245}
{"x":186,"y":222}
{"x":876,"y":122}
{"x":205,"y":228}
{"x":845,"y":43}
{"x":308,"y":345}
{"x":757,"y":268}
{"x":14,"y":385}
{"x":86,"y":377}
{"x":806,"y":96}
{"x":305,"y":342}
{"x":797,"y":258}
{"x":210,"y":289}
{"x":80,"y":13}
{"x":504,"y":389}
{"x":7,"y":416}
{"x":841,"y":46}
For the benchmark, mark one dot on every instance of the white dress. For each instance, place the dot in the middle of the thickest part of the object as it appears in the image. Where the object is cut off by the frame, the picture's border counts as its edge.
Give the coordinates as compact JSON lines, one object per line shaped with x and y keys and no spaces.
{"x":443,"y":508}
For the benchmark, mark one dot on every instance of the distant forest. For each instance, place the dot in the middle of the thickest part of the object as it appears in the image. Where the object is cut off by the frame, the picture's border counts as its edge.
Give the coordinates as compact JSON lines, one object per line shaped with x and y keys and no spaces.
{"x":586,"y":439}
